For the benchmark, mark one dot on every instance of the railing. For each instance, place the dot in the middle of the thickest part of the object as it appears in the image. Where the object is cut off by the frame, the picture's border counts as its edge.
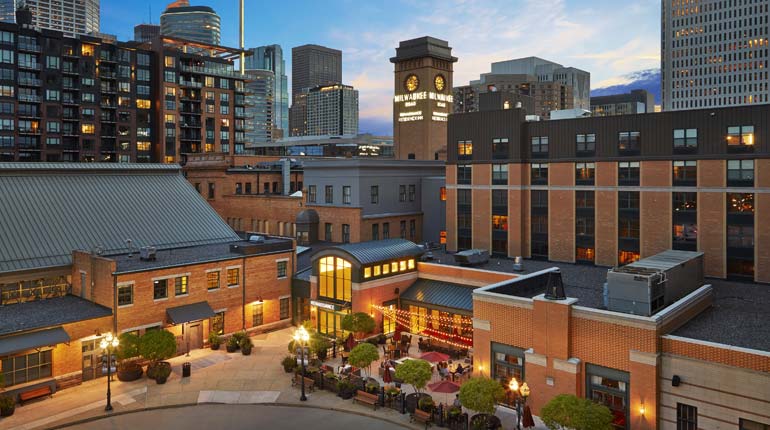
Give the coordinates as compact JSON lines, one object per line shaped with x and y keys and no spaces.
{"x":190,"y":84}
{"x":30,"y":82}
{"x":211,"y":71}
{"x":29,"y":47}
{"x":28,"y":65}
{"x":29,"y":98}
{"x":29,"y":130}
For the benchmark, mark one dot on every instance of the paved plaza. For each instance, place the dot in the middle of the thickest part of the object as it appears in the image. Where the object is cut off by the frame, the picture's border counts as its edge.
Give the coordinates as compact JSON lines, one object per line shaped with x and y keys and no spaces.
{"x":217,"y":378}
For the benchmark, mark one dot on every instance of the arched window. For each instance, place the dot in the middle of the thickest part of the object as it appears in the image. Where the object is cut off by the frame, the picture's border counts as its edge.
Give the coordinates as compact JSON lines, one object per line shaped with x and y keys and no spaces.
{"x":334,"y":278}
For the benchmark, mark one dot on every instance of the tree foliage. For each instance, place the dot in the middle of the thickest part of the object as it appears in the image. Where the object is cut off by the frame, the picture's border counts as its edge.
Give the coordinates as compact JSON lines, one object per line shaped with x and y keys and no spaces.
{"x":157,"y":345}
{"x":358,"y":322}
{"x":363,"y":355}
{"x":481,"y":394}
{"x":569,"y":411}
{"x":416,"y":373}
{"x":128,"y":346}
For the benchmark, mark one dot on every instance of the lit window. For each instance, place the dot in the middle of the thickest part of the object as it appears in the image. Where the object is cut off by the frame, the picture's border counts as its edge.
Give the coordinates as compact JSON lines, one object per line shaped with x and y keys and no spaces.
{"x":385,"y":269}
{"x":367,"y":272}
{"x":465,"y":148}
{"x":376,"y":270}
{"x":212,"y":280}
{"x":394,"y":267}
{"x":740,"y":136}
{"x":143,"y":104}
{"x":142,"y":146}
{"x":87,"y":128}
{"x":410,"y":263}
{"x":170,"y":91}
{"x":402,"y":265}
{"x":170,"y":119}
{"x":442,"y":194}
{"x":87,"y":50}
{"x":169,"y":61}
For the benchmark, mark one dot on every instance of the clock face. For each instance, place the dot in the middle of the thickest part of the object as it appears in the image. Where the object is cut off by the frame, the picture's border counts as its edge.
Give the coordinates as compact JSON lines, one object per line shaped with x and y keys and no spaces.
{"x":439,"y":83}
{"x":412,"y":83}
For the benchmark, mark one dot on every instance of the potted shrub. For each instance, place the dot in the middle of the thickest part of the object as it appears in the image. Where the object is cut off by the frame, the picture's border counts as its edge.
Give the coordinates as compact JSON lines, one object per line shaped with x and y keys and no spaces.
{"x":346,"y":389}
{"x":240,"y":335}
{"x":155,"y":346}
{"x":289,"y":364}
{"x":482,"y":394}
{"x":162,"y":373}
{"x":566,"y":410}
{"x":215,"y":340}
{"x":7,"y":406}
{"x":319,"y":345}
{"x":246,"y":345}
{"x":363,"y":355}
{"x":417,"y":373}
{"x":426,"y":404}
{"x":372,"y":388}
{"x":331,"y":382}
{"x":128,"y":351}
{"x":232,"y":344}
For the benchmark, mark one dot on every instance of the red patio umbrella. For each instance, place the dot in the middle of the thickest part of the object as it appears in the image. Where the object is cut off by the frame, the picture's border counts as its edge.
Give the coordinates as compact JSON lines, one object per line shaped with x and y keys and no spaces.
{"x":526,"y":420}
{"x":434,"y":357}
{"x":446,"y":387}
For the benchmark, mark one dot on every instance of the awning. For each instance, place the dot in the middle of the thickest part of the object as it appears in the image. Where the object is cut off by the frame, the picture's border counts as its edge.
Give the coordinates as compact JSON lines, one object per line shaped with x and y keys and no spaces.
{"x":441,"y":294}
{"x":35,"y":339}
{"x":192,"y":312}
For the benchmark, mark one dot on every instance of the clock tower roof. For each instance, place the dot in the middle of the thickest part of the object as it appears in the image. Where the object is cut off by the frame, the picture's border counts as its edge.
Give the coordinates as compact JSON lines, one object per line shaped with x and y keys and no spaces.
{"x":423,"y":47}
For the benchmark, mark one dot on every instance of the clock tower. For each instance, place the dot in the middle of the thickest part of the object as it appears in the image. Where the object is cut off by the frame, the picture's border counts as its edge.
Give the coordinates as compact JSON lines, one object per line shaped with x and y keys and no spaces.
{"x":422,"y":98}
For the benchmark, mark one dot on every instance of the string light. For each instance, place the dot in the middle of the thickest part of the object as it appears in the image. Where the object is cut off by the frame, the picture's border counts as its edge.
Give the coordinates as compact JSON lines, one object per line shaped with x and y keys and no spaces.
{"x":403,"y":318}
{"x":405,"y":313}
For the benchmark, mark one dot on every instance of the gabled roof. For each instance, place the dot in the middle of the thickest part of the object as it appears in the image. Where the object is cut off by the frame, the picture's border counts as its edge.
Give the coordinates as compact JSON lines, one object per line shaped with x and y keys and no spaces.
{"x":440,"y":293}
{"x":375,"y":251}
{"x":50,"y":209}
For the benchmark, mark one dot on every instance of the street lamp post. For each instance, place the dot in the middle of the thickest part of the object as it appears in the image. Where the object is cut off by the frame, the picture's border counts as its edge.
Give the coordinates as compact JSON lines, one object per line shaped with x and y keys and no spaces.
{"x":520,"y":394}
{"x":108,"y":344}
{"x":301,"y":336}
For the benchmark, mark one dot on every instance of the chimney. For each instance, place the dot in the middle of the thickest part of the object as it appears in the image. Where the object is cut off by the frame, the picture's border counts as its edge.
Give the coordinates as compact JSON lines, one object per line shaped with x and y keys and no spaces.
{"x":286,"y":175}
{"x":555,"y":288}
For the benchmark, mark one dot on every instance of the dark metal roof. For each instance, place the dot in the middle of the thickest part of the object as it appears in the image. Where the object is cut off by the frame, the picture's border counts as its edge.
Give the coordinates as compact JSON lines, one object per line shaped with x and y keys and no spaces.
{"x":35,"y":339}
{"x":191,"y":312}
{"x":50,"y":209}
{"x":48,"y":313}
{"x":440,"y":293}
{"x":379,"y":250}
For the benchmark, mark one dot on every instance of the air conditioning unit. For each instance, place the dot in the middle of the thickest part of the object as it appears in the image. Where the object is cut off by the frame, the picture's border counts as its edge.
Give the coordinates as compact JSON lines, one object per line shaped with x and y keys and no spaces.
{"x":147,"y":253}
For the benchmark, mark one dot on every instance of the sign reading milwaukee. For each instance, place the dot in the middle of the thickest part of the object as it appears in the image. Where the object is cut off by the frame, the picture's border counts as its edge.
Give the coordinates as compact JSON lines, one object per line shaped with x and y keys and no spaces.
{"x":422,"y":95}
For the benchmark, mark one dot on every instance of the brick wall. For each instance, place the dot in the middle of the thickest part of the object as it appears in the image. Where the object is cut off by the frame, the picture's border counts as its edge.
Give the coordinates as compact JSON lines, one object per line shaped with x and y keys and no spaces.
{"x":715,"y":354}
{"x":561,"y":213}
{"x":482,"y":207}
{"x":451,"y":208}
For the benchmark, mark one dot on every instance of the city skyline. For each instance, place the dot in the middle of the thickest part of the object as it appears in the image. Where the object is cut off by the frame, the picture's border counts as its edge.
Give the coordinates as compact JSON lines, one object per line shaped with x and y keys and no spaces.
{"x":595,"y":36}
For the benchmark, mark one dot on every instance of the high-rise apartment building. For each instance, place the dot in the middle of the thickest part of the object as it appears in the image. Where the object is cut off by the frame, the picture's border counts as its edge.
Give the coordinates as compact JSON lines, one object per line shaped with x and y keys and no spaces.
{"x":260,"y":105}
{"x":71,"y":17}
{"x":146,"y":32}
{"x":714,"y":53}
{"x":56,"y":104}
{"x":270,"y":57}
{"x":636,"y":101}
{"x":312,"y":66}
{"x":548,"y":71}
{"x":198,"y":23}
{"x":333,"y":110}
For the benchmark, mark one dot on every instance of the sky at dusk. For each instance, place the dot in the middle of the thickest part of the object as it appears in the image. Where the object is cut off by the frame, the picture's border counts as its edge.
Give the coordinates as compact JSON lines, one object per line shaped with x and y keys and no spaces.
{"x":607,"y":38}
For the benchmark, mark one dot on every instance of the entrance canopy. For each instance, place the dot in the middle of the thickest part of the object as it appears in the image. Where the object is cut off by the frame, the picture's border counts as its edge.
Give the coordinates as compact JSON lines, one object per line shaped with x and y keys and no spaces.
{"x":191,"y":312}
{"x":31,"y":340}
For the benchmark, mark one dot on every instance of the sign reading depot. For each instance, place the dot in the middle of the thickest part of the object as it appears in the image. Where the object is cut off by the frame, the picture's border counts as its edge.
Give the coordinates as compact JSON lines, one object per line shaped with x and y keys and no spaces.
{"x":410,"y":112}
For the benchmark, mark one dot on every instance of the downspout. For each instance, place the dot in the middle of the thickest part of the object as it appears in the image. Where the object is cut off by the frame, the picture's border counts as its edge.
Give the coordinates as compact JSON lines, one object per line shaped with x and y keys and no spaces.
{"x":114,"y":303}
{"x":243,"y":281}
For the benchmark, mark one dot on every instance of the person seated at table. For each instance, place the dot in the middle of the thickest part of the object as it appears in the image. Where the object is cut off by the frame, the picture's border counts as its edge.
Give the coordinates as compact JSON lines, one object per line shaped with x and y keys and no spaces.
{"x":457,"y":403}
{"x":458,"y":370}
{"x":443,"y":370}
{"x":344,"y":369}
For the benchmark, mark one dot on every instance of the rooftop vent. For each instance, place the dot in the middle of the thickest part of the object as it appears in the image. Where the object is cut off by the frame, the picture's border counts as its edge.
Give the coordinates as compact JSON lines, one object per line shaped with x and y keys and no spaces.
{"x":256,"y":239}
{"x":555,"y":288}
{"x":147,"y":253}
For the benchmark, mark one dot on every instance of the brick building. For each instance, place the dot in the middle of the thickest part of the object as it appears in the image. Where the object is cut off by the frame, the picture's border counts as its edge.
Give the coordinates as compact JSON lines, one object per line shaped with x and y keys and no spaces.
{"x":69,"y":273}
{"x":610,"y":190}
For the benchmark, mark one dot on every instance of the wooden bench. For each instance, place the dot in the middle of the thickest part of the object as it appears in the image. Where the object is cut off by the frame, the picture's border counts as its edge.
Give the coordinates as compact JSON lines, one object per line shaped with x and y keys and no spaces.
{"x":67,"y":383}
{"x":309,"y":382}
{"x":421,"y":416}
{"x":35,"y":393}
{"x":369,"y":399}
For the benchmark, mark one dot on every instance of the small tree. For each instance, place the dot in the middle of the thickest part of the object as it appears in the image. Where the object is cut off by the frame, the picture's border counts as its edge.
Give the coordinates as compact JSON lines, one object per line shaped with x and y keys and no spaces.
{"x":416,"y":373}
{"x":569,"y":411}
{"x":363,"y":356}
{"x":157,"y":345}
{"x":128,"y":348}
{"x":481,"y":394}
{"x":359,"y":323}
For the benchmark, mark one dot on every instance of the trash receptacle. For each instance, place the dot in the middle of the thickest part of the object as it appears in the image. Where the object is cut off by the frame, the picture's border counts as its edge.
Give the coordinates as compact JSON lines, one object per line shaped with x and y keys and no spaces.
{"x":186,"y":367}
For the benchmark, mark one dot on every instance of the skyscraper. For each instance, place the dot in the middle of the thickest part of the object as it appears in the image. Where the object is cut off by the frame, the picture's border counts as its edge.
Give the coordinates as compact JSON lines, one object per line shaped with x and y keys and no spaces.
{"x":260,"y":104}
{"x":71,"y":17}
{"x":270,"y":57}
{"x":548,"y":71}
{"x":311,"y":66}
{"x":146,"y":32}
{"x":198,"y":23}
{"x":714,"y":54}
{"x":332,"y":110}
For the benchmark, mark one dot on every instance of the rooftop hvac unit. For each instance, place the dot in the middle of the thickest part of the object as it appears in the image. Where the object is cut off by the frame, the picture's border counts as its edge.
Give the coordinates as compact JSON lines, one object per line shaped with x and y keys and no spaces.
{"x":649,"y":285}
{"x":147,"y":253}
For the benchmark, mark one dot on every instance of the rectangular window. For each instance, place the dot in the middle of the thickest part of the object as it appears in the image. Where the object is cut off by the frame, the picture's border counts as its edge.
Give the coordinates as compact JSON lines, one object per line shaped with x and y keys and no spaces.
{"x":685,"y":140}
{"x":374,"y":191}
{"x":402,"y":229}
{"x":684,"y":202}
{"x":584,"y":254}
{"x":143,"y":75}
{"x":168,"y":61}
{"x":212,"y":280}
{"x":346,"y":198}
{"x":412,"y":230}
{"x":412,"y":192}
{"x":329,"y":194}
{"x":52,"y":62}
{"x":585,"y":173}
{"x":629,"y":142}
{"x":499,"y":174}
{"x":740,"y":236}
{"x":281,"y":269}
{"x":311,"y":194}
{"x":125,"y":294}
{"x":464,"y":149}
{"x":628,"y":228}
{"x":375,"y":231}
{"x":284,"y":308}
{"x":233,"y":277}
{"x":52,"y":95}
{"x":740,"y":173}
{"x":386,"y":230}
{"x":217,"y":323}
{"x":685,"y":173}
{"x":540,"y":146}
{"x":584,"y":199}
{"x":752,"y":425}
{"x":160,"y":289}
{"x":464,"y":174}
{"x":442,"y":194}
{"x":539,"y":173}
{"x":740,"y":203}
{"x":628,"y":173}
{"x":402,"y":193}
{"x":628,"y":199}
{"x":211,"y":190}
{"x":740,"y":138}
{"x":6,"y":56}
{"x":686,"y":417}
{"x":500,"y":222}
{"x":328,"y":232}
{"x":258,"y":315}
{"x":584,"y":226}
{"x":345,"y":233}
{"x":21,"y":369}
{"x":585,"y":144}
{"x":180,"y":285}
{"x":500,"y":148}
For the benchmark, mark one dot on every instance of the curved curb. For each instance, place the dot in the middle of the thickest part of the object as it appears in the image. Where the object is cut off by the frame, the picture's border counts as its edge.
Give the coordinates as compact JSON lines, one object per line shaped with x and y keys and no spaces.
{"x":185,"y":405}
